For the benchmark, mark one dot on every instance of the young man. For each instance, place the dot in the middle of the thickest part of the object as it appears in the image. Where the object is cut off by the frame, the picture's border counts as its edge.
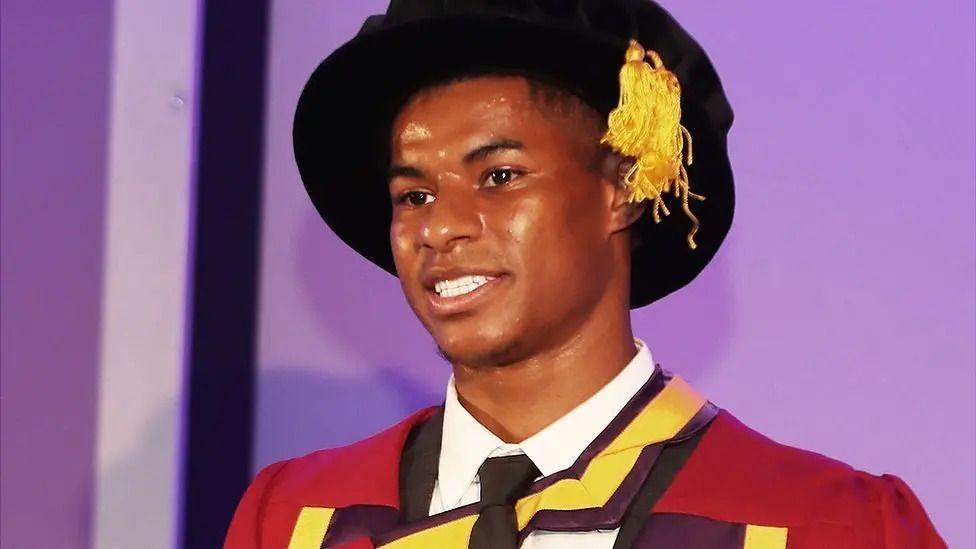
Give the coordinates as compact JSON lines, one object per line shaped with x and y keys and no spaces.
{"x":509,"y":161}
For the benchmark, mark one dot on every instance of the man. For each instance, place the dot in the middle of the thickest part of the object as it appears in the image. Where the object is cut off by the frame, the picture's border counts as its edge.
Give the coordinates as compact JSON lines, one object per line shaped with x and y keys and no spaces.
{"x":520,"y":166}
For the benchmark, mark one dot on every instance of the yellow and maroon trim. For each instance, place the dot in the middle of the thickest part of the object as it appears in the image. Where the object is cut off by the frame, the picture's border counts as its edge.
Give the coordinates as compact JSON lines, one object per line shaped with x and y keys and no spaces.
{"x":764,"y":537}
{"x":310,"y":528}
{"x":593,"y":493}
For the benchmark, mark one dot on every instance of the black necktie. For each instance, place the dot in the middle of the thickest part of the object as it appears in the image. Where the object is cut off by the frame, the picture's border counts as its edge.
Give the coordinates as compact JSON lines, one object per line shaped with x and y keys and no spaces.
{"x":503,"y":480}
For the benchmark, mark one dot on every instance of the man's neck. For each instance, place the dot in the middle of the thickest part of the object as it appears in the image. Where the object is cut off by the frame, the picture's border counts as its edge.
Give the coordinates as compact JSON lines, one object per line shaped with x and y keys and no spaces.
{"x":517,"y":400}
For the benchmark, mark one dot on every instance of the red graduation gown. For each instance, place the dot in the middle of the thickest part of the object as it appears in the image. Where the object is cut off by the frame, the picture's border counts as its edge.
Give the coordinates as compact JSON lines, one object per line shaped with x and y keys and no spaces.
{"x":737,"y":488}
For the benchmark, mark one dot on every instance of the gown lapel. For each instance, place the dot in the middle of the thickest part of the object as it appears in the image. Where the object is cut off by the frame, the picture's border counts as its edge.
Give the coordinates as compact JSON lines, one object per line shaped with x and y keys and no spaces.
{"x":613,"y":484}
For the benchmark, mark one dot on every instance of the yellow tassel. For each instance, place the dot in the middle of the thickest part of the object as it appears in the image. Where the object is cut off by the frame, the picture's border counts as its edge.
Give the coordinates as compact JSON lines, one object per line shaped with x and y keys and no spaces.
{"x":646,"y":126}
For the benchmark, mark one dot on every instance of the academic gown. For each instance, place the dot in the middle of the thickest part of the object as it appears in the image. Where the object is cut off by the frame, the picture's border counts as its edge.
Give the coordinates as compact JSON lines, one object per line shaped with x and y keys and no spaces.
{"x":672,"y":470}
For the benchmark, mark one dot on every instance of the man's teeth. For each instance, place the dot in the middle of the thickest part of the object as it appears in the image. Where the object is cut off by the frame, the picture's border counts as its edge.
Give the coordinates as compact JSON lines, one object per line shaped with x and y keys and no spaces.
{"x":460,"y":286}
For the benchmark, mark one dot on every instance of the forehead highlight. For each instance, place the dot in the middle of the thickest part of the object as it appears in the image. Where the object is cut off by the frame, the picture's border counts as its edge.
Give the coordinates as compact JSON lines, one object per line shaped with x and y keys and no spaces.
{"x":499,"y":100}
{"x":414,"y":132}
{"x":470,"y":100}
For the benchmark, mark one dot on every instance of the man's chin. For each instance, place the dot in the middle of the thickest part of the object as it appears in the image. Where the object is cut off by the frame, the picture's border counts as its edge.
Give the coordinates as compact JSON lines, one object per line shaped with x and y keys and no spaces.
{"x":481,"y":354}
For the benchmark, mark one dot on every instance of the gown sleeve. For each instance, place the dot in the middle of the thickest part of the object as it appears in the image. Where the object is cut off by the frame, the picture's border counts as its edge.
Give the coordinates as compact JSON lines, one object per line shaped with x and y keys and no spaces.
{"x":905,"y":523}
{"x":245,"y":528}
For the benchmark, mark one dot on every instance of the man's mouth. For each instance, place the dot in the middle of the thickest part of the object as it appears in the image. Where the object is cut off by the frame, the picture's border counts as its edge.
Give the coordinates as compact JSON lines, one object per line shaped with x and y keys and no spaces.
{"x":462,"y":293}
{"x":461,"y":285}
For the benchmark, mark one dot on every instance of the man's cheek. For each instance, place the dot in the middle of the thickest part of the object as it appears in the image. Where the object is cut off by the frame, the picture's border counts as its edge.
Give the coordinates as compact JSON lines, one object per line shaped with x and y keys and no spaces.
{"x":524,"y":220}
{"x":400,"y":242}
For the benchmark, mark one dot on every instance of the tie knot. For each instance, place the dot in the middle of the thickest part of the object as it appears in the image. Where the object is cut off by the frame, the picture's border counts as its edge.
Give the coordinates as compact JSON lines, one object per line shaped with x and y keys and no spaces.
{"x":503,"y":479}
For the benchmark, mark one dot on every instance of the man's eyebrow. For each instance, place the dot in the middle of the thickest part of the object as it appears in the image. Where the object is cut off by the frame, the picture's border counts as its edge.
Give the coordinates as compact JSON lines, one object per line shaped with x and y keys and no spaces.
{"x":398,"y":170}
{"x":479,"y":153}
{"x":492,"y":147}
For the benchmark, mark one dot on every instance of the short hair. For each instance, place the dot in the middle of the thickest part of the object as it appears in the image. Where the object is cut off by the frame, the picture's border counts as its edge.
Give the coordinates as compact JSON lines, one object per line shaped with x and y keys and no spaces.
{"x":553,"y":100}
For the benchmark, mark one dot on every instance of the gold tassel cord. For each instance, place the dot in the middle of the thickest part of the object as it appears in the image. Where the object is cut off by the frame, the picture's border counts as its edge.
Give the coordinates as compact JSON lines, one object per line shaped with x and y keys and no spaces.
{"x":646,"y":126}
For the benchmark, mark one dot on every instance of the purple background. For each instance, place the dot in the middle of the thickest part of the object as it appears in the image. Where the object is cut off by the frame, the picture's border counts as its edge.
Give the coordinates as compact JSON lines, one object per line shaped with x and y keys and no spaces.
{"x":55,"y":74}
{"x":839,"y":316}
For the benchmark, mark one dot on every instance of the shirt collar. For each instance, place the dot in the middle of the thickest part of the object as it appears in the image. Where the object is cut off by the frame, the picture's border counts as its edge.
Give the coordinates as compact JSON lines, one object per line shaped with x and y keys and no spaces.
{"x":466,"y":444}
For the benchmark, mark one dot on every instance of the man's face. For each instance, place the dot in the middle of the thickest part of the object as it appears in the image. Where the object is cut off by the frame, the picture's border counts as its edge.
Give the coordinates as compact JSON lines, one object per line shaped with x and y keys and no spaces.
{"x":501,"y":225}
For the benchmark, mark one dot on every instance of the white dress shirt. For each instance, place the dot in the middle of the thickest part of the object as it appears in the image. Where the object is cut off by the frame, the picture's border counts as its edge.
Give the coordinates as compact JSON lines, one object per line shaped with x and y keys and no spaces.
{"x":466,"y":444}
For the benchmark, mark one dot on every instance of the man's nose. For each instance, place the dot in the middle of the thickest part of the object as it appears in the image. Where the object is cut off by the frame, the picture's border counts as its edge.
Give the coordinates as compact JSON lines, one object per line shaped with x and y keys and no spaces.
{"x":451,"y":218}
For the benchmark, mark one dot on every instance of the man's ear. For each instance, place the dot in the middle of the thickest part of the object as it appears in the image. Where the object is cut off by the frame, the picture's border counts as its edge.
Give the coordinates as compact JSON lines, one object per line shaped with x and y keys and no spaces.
{"x":622,"y":212}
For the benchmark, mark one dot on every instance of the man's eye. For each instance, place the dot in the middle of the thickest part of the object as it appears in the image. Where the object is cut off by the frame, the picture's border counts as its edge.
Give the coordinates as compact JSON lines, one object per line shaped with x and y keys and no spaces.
{"x":417,"y":198}
{"x":501,"y":176}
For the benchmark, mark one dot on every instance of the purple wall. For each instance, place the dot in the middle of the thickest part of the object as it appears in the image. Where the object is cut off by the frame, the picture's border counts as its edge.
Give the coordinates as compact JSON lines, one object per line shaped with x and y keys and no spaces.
{"x":55,"y":67}
{"x":840,"y":314}
{"x":839,"y":317}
